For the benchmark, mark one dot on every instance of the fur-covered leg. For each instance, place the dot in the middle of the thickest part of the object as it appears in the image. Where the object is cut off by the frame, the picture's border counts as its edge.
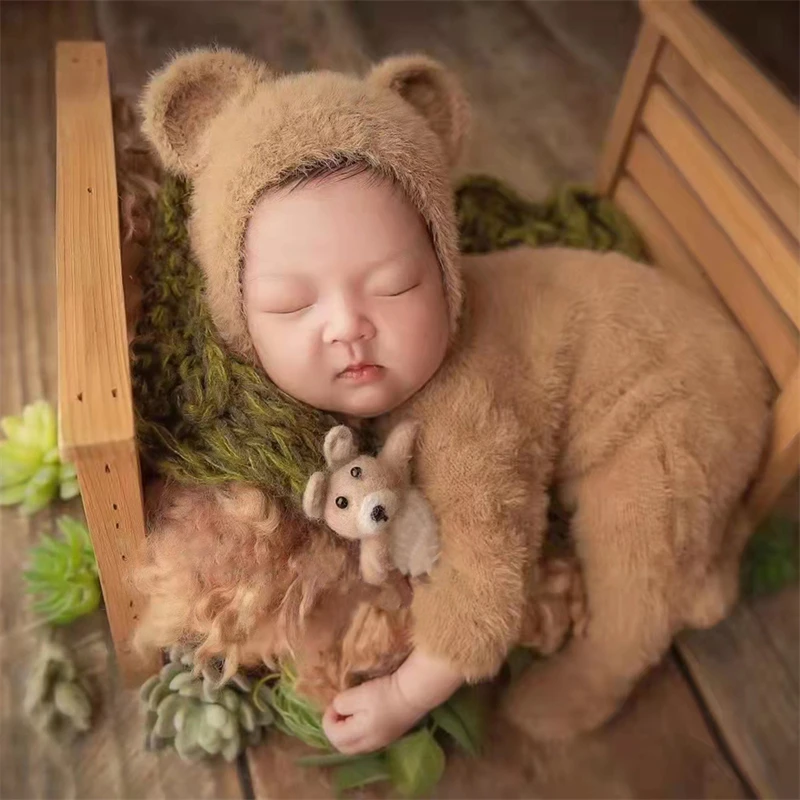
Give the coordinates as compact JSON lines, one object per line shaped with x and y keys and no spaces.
{"x":556,"y":605}
{"x":625,"y":535}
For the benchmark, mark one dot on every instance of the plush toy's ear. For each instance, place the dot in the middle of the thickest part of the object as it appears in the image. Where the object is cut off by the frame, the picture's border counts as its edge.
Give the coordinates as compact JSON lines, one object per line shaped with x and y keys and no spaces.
{"x":340,"y":447}
{"x":399,"y":446}
{"x":314,"y":496}
{"x":182,"y":98}
{"x":433,"y":91}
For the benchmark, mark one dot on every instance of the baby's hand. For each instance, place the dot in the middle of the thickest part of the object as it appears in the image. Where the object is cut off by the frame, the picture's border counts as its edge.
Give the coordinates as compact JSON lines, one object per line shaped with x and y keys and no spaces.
{"x":376,"y":713}
{"x":369,"y":716}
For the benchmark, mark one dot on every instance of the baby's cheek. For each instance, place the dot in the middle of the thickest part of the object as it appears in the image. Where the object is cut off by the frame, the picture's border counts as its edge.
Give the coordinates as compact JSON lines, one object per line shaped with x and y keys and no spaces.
{"x":281,"y":350}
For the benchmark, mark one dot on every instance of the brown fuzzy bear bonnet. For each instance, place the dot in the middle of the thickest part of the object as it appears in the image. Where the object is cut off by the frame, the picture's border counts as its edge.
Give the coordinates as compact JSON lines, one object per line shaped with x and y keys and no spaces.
{"x":235,"y":129}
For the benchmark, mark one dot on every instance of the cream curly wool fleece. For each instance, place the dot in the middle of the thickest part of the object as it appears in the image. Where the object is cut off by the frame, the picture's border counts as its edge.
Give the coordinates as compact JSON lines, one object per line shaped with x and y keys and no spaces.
{"x":237,"y":130}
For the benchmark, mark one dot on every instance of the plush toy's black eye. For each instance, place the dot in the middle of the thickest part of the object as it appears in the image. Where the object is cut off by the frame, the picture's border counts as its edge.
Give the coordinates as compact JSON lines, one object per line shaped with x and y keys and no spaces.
{"x":341,"y":502}
{"x":356,"y":472}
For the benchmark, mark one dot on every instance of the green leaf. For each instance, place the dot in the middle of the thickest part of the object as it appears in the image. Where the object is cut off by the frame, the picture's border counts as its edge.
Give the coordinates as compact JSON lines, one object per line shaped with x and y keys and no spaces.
{"x":18,"y":462}
{"x":11,"y":495}
{"x":67,"y":471}
{"x":463,"y":717}
{"x":12,"y":427}
{"x":325,"y":760}
{"x":69,"y":489}
{"x":772,"y":557}
{"x":51,"y":456}
{"x":46,"y":475}
{"x":416,"y":763}
{"x":360,"y":771}
{"x":40,"y":421}
{"x":37,"y":497}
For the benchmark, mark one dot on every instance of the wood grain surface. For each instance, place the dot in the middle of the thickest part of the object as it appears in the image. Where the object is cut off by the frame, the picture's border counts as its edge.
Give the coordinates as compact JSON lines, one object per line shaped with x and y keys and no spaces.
{"x":543,"y":97}
{"x":110,"y":762}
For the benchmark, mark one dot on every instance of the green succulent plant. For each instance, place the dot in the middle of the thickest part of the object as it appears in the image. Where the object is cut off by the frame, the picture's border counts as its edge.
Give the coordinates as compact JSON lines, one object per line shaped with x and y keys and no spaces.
{"x":56,"y":698}
{"x":31,"y":471}
{"x":63,"y":574}
{"x":198,"y":716}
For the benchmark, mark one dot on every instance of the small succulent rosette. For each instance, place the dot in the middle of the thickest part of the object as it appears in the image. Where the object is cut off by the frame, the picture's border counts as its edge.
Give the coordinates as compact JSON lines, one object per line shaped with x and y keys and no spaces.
{"x":62,"y":576}
{"x":200,"y":717}
{"x":57,"y":700}
{"x":31,"y":471}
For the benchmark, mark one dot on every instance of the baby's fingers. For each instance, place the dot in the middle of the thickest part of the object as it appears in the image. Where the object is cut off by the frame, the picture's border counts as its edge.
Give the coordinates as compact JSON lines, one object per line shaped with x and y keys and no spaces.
{"x":348,"y":702}
{"x":344,"y":733}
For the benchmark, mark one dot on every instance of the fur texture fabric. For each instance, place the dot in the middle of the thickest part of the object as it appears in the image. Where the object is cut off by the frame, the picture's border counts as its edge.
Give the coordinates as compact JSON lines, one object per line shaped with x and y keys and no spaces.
{"x":237,"y":130}
{"x":647,"y":408}
{"x":643,"y":405}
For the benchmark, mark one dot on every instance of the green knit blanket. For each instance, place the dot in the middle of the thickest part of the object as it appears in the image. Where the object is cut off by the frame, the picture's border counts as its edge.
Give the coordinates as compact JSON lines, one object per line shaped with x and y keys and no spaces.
{"x":206,"y":417}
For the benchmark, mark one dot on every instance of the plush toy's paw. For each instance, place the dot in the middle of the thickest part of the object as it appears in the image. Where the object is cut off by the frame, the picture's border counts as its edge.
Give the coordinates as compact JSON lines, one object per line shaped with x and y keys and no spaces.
{"x":556,"y":607}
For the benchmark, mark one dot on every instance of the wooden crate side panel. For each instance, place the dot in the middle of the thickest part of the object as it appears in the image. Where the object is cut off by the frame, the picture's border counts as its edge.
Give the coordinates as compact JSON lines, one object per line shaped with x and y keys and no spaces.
{"x":727,"y":197}
{"x":634,"y":89}
{"x":663,"y":243}
{"x":95,"y":404}
{"x":772,"y":118}
{"x":775,"y":187}
{"x":111,"y":490}
{"x":771,"y":333}
{"x":783,"y":453}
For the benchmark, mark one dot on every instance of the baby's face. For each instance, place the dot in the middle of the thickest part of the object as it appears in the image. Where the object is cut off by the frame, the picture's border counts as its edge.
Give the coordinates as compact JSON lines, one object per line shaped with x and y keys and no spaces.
{"x":343,"y":295}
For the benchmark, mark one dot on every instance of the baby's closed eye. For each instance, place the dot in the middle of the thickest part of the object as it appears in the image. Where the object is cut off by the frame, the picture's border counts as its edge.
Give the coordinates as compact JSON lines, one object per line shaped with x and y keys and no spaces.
{"x":393,"y":283}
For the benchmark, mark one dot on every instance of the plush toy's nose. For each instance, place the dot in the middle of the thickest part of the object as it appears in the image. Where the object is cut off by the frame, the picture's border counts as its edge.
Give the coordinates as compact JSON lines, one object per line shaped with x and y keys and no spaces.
{"x":379,"y":514}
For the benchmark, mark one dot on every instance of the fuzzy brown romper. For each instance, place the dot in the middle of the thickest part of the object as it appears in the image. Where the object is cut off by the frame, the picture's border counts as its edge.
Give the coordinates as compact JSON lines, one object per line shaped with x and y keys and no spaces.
{"x":643,"y":405}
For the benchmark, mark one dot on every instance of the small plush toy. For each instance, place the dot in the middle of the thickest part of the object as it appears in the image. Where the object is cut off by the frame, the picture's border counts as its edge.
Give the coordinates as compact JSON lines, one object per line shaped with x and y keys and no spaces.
{"x":371,"y":499}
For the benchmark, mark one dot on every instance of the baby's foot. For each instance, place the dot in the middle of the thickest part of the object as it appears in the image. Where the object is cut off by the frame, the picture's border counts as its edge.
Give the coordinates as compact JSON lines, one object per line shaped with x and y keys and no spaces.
{"x":556,"y":607}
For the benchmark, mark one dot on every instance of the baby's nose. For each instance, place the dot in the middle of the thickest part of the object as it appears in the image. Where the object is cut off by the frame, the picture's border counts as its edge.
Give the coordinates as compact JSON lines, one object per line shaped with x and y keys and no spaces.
{"x":348,"y":324}
{"x":379,"y":514}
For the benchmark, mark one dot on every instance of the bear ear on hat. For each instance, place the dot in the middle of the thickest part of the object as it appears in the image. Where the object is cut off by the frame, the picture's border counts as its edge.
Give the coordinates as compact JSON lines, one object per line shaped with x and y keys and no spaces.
{"x":183,"y":97}
{"x":433,"y":91}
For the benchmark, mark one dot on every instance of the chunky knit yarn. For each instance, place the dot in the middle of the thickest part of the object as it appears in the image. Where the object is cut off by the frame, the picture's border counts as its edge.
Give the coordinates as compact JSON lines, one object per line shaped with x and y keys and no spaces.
{"x":205,"y":416}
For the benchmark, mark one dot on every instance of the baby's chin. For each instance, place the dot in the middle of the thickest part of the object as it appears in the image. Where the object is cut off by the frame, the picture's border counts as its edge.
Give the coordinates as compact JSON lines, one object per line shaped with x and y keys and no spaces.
{"x":367,"y":401}
{"x":365,"y":405}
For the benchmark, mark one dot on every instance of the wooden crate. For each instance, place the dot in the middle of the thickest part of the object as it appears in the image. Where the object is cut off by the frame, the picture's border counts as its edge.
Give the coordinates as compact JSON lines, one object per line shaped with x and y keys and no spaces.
{"x":703,"y":153}
{"x":724,"y":227}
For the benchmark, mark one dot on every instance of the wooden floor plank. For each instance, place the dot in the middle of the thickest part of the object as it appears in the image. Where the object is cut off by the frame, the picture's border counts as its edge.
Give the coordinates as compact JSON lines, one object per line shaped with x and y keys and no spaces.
{"x":525,"y":130}
{"x":110,"y":761}
{"x":659,"y":746}
{"x":747,"y":671}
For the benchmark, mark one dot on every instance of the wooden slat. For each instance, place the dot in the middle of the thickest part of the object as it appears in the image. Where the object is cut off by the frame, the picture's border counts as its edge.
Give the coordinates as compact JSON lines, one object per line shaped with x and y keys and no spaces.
{"x":776,"y":188}
{"x":665,"y":246}
{"x":95,"y":403}
{"x":111,"y":490}
{"x":751,"y":691}
{"x":783,"y":455}
{"x":740,"y":84}
{"x":95,"y":406}
{"x":620,"y":130}
{"x":738,"y":212}
{"x":772,"y":334}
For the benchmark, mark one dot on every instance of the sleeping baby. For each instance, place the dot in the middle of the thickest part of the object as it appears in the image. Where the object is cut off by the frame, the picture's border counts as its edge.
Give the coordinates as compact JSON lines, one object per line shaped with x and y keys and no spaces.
{"x":323,"y":220}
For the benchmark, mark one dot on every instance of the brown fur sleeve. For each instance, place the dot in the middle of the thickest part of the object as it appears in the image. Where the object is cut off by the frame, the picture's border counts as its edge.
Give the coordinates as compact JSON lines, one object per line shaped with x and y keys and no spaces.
{"x":472,"y":466}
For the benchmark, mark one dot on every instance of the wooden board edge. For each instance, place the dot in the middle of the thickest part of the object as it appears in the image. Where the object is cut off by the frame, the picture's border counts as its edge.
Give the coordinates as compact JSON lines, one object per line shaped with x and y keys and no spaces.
{"x":771,"y":116}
